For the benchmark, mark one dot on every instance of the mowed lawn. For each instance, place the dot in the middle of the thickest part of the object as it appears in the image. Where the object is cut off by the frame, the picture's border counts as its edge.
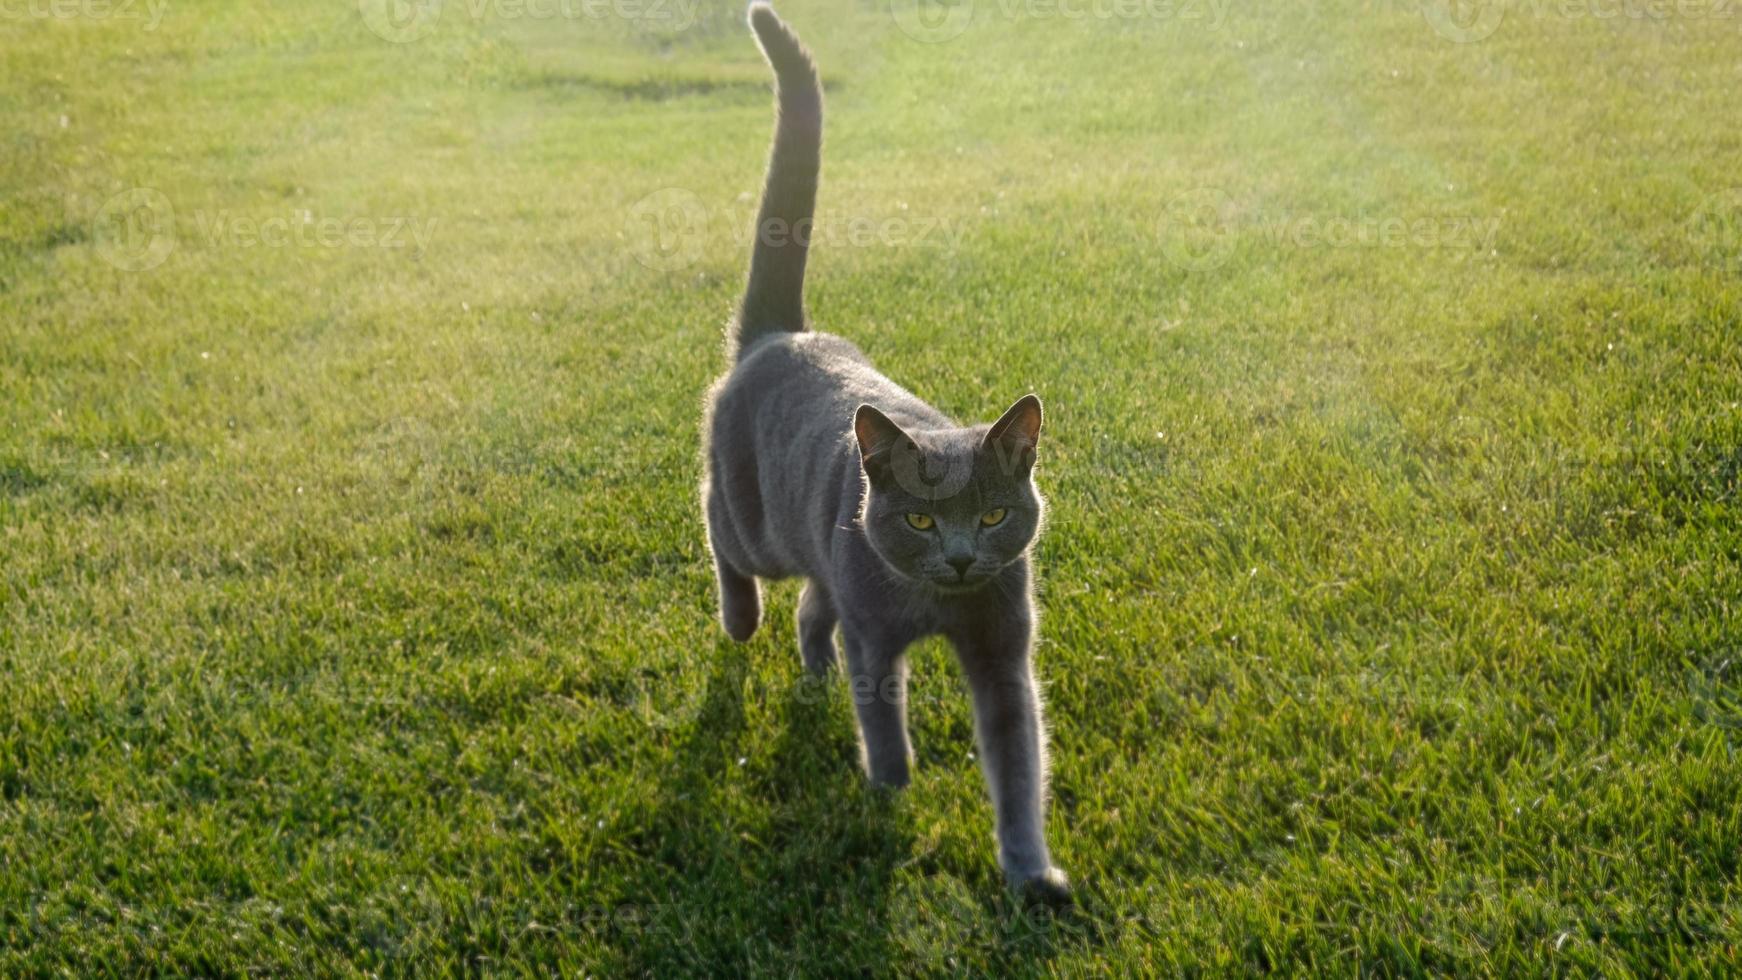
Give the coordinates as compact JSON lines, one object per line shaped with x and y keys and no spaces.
{"x":354,"y":608}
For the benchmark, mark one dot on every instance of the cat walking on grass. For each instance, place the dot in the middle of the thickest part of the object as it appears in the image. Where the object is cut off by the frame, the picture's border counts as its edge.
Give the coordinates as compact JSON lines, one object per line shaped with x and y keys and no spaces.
{"x":902,"y":523}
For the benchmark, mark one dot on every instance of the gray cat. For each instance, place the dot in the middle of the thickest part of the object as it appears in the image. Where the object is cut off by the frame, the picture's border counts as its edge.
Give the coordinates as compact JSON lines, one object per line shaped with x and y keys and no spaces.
{"x":903,"y":523}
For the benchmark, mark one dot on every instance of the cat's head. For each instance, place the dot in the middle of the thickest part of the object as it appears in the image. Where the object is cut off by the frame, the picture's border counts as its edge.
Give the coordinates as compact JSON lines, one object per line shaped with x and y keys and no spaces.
{"x":950,"y":507}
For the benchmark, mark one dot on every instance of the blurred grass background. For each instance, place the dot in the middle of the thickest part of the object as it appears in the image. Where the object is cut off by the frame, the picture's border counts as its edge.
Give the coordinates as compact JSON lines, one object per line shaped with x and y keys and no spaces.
{"x":356,"y":613}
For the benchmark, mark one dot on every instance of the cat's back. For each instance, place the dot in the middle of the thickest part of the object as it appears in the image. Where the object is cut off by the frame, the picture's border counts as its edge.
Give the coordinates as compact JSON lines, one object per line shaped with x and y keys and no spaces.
{"x":811,"y":358}
{"x":805,"y":382}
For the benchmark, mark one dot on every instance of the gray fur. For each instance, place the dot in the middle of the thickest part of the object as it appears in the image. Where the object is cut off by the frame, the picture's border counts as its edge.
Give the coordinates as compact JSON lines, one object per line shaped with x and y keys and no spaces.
{"x":774,"y":295}
{"x":813,"y":462}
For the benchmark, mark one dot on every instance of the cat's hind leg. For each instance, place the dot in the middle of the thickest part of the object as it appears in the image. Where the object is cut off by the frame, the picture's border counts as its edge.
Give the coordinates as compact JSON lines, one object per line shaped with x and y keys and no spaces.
{"x":816,"y":629}
{"x":740,"y":596}
{"x":740,"y":601}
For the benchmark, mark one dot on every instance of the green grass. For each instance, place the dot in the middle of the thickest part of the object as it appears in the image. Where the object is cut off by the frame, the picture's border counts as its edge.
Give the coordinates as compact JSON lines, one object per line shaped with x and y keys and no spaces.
{"x":354,"y":607}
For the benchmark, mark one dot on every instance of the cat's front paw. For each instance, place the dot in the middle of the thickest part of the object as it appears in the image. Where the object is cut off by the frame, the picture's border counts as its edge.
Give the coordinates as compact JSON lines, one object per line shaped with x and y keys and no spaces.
{"x":1050,"y":887}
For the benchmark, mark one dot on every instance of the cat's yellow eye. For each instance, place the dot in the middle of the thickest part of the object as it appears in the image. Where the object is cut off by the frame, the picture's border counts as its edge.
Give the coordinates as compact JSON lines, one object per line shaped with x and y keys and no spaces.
{"x":992,"y":518}
{"x":921,"y":522}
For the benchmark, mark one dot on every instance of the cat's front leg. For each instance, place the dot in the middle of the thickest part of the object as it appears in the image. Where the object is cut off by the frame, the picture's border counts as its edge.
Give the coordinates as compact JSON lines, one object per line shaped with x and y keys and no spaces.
{"x":1012,"y":738}
{"x":877,"y":681}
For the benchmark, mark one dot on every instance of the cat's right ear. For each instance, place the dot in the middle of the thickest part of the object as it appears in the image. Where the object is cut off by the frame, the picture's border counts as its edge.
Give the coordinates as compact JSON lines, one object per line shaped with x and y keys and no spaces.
{"x":877,"y":436}
{"x":1015,"y":435}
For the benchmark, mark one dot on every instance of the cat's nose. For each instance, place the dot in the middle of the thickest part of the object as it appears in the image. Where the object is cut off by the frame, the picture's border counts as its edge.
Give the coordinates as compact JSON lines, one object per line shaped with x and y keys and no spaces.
{"x":961,"y":565}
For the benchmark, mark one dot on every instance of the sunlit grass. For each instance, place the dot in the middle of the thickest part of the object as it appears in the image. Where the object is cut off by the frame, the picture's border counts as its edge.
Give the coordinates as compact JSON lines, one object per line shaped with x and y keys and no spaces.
{"x":355,"y":600}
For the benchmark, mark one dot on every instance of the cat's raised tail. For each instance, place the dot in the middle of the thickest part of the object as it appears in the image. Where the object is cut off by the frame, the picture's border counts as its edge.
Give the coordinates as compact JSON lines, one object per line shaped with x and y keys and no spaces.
{"x":774,"y":296}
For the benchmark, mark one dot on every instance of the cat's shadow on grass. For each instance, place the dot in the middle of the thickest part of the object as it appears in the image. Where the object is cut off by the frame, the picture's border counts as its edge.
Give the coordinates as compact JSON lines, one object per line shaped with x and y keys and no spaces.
{"x":770,"y":854}
{"x":762,"y":848}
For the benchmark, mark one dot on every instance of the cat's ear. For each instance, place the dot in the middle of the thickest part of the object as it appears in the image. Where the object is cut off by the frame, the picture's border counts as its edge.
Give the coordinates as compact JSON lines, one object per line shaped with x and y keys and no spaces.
{"x":1015,"y":435}
{"x":877,"y":435}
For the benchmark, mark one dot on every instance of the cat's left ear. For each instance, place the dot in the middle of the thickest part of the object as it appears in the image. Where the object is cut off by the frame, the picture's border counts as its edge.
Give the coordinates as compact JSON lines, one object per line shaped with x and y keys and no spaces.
{"x":1016,"y":434}
{"x":877,"y":437}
